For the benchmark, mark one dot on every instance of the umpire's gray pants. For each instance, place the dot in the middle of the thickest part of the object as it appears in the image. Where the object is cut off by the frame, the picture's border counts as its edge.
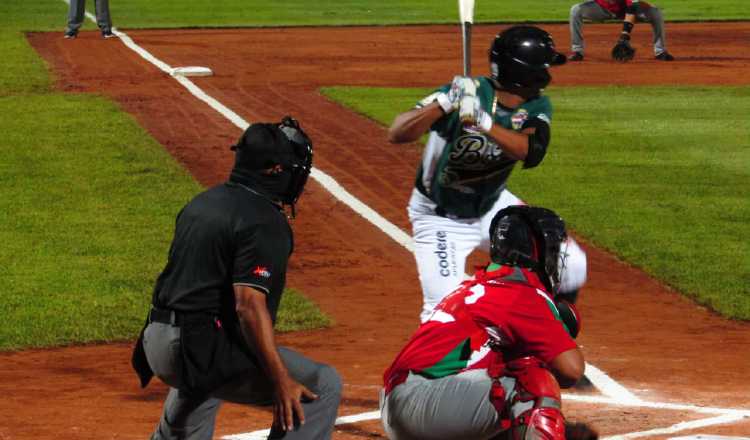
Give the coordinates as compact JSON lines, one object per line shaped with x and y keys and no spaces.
{"x":78,"y":9}
{"x":192,"y":417}
{"x":591,"y":11}
{"x":450,"y":408}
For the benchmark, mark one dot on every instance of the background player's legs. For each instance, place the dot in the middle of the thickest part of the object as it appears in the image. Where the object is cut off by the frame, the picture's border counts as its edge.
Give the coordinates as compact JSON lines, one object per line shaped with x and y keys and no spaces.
{"x":441,"y":246}
{"x":187,"y":416}
{"x":447,"y":408}
{"x":321,"y":379}
{"x":75,"y":15}
{"x":588,"y":10}
{"x":654,"y":16}
{"x":103,"y":19}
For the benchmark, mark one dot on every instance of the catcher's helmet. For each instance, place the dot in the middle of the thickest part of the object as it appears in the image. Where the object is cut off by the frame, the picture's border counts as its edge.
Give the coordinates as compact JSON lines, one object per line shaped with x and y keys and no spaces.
{"x":264,"y":145}
{"x":529,"y":237}
{"x":519,"y":58}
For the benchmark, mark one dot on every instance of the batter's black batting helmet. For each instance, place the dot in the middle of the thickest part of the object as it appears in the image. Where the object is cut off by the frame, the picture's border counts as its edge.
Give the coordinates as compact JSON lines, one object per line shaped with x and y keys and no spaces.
{"x":530,"y":237}
{"x":519,"y":58}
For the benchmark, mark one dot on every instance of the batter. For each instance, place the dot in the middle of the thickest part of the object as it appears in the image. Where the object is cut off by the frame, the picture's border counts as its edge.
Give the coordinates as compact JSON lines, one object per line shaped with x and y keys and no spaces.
{"x":478,"y":129}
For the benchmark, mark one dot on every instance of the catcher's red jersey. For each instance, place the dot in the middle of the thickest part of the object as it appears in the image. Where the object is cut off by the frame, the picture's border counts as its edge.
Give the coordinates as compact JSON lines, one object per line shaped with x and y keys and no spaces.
{"x":496,"y":316}
{"x":616,"y":7}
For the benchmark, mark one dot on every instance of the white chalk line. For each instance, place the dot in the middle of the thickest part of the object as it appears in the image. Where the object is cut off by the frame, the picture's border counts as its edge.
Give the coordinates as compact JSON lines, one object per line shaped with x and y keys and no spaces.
{"x":683,"y":426}
{"x":708,"y":437}
{"x":608,"y":386}
{"x":725,"y":416}
{"x":344,"y":420}
{"x":617,"y":394}
{"x":600,"y":380}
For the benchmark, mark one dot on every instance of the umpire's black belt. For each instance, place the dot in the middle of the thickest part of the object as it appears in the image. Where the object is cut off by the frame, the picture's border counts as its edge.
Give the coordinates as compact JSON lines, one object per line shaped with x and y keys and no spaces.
{"x":174,"y":317}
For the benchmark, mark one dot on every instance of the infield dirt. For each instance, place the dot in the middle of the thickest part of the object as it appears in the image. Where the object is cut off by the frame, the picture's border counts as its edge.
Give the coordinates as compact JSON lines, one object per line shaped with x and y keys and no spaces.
{"x":653,"y":341}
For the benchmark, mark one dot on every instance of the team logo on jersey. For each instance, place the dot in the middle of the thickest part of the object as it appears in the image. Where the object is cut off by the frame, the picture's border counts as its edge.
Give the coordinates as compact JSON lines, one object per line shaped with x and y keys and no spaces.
{"x":261,"y":271}
{"x":474,"y":151}
{"x":473,"y":158}
{"x":519,"y":118}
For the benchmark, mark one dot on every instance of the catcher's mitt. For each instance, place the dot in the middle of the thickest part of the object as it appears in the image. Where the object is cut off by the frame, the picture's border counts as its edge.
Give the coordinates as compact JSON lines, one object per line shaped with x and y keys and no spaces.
{"x":579,"y":431}
{"x":623,"y":51}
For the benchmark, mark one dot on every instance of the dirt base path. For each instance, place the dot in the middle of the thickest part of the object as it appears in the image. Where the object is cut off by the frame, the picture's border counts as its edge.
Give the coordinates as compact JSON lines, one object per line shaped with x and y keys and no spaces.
{"x":648,"y":338}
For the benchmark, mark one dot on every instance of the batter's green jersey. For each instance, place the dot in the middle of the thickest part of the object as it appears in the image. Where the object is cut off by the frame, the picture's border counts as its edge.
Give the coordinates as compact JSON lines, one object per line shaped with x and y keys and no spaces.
{"x":464,"y":172}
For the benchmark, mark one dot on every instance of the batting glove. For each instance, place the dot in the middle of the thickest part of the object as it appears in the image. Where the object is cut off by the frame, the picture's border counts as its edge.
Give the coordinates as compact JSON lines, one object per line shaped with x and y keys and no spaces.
{"x":460,"y":87}
{"x":473,"y":115}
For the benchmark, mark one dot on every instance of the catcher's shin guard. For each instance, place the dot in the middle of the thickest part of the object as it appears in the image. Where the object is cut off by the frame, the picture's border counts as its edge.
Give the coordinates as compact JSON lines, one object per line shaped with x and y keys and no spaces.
{"x":534,"y":405}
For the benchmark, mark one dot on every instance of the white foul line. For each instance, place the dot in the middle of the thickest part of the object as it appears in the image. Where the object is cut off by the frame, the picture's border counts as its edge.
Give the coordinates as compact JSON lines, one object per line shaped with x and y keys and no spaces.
{"x":600,"y":380}
{"x":616,"y":392}
{"x":683,"y":426}
{"x":608,"y":386}
{"x":708,"y":437}
{"x":345,"y":420}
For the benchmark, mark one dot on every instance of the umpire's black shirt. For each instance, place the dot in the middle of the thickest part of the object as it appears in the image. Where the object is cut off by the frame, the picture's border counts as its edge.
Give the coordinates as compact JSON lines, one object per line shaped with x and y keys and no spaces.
{"x":227,"y":235}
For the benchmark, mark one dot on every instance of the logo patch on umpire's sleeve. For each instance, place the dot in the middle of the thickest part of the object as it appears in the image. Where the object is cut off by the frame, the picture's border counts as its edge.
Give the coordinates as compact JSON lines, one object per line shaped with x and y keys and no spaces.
{"x":261,"y":271}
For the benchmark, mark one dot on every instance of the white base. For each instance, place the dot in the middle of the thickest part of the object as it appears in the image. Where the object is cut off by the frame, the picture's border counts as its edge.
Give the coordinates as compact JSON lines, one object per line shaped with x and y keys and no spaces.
{"x":191,"y":71}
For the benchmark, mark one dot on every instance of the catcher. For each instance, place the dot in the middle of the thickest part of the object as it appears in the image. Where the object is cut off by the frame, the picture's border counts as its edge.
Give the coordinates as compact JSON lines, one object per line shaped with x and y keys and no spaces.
{"x":490,"y":361}
{"x":629,"y":11}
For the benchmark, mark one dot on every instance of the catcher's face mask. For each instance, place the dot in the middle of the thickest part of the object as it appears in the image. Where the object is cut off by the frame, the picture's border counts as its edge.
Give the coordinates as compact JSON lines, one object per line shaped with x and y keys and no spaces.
{"x":527,"y":236}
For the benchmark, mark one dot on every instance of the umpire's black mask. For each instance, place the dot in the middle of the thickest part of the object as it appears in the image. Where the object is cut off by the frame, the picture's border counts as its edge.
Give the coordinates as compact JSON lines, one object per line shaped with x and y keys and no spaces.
{"x":260,"y":151}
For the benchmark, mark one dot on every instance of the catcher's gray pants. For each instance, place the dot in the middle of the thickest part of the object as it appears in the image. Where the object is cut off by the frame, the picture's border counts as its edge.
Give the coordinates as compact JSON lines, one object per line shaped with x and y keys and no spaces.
{"x":591,"y":11}
{"x":193,"y":417}
{"x":450,"y":408}
{"x":78,"y":9}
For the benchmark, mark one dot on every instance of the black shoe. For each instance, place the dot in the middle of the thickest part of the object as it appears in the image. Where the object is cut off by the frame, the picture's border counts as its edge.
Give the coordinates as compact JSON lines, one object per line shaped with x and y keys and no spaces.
{"x":107,"y":34}
{"x":664,"y":56}
{"x":576,"y":56}
{"x":71,"y":34}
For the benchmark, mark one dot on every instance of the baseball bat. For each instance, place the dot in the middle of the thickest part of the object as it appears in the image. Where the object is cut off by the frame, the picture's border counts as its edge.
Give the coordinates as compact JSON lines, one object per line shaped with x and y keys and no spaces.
{"x":466,"y":16}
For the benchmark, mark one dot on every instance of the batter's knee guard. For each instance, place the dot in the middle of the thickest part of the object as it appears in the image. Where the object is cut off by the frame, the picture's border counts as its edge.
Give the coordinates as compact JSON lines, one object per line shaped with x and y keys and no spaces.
{"x":534,"y":406}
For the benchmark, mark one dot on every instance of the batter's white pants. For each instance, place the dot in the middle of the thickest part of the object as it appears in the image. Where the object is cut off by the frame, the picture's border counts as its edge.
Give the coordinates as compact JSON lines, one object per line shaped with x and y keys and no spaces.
{"x":442,"y":244}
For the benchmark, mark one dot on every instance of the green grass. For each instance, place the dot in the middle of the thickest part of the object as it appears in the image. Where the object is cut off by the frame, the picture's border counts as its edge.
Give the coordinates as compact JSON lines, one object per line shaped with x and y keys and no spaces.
{"x":145,"y":13}
{"x":87,"y":205}
{"x":51,"y":14}
{"x":659,"y":176}
{"x":87,"y":200}
{"x":297,"y":312}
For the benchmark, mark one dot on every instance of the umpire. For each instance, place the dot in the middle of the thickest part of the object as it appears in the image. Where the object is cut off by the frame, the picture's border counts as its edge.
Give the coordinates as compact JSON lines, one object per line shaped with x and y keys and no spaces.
{"x":209,"y":334}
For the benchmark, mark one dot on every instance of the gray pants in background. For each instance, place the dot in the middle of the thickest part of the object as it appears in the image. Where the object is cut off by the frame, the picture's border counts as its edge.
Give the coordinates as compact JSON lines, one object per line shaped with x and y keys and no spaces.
{"x":449,"y":408}
{"x":193,"y":417}
{"x":78,"y":9}
{"x":591,"y":11}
